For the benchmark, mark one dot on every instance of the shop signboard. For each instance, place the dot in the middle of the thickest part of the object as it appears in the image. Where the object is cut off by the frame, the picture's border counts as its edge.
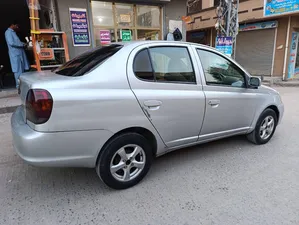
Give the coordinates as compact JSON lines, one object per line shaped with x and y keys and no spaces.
{"x":46,"y":54}
{"x":258,"y":26}
{"x":126,"y":35}
{"x":278,"y":7}
{"x":292,"y":70}
{"x":125,"y":18}
{"x":225,"y":45}
{"x":80,"y":30}
{"x":105,"y":37}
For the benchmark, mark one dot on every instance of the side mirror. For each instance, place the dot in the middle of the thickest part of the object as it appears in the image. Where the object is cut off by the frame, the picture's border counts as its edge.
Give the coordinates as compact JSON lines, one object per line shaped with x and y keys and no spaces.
{"x":254,"y":82}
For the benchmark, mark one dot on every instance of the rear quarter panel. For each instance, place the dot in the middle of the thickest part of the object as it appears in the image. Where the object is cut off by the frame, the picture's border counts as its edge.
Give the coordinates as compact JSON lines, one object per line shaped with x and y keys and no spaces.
{"x":100,"y":100}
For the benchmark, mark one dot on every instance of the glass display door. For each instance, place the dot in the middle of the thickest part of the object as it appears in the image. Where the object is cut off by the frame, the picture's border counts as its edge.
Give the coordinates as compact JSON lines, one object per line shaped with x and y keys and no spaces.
{"x":117,"y":22}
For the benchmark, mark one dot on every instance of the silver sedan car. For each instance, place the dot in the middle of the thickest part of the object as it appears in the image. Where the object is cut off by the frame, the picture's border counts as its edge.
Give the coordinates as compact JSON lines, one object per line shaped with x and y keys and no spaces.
{"x":117,"y":107}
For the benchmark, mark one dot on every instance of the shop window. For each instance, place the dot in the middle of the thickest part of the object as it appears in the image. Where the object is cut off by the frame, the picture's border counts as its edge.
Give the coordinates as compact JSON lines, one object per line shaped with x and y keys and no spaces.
{"x":148,"y":16}
{"x":124,"y":15}
{"x":102,"y":13}
{"x":148,"y":35}
{"x":216,"y":3}
{"x":116,"y":22}
{"x":194,"y":6}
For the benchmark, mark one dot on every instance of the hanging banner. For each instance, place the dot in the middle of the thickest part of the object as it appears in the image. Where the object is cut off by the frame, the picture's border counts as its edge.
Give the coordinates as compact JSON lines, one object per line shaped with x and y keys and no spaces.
{"x":105,"y":37}
{"x":292,"y":70}
{"x":80,"y":30}
{"x":277,"y":7}
{"x":225,"y":45}
{"x":126,"y":35}
{"x":187,"y":19}
{"x":258,"y":26}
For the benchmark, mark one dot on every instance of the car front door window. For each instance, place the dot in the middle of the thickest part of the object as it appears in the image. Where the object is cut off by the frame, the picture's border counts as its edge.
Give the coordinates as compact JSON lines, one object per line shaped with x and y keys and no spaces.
{"x":220,"y":71}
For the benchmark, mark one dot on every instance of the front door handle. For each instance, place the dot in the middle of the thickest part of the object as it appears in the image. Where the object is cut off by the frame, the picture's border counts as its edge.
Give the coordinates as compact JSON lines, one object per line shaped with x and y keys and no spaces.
{"x":214,"y":103}
{"x":152,"y":104}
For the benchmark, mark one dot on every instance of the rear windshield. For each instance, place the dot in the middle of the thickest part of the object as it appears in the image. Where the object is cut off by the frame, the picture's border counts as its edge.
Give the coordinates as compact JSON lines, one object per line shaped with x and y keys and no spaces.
{"x":87,"y":61}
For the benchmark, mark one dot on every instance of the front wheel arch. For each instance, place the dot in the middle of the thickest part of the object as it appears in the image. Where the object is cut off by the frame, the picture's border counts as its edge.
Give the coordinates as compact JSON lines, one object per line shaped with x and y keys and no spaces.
{"x":259,"y":113}
{"x":253,"y":136}
{"x":275,"y":109}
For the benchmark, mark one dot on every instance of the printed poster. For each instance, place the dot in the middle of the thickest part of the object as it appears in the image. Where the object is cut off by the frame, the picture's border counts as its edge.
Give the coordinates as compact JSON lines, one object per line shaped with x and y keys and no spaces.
{"x":174,"y":24}
{"x":277,"y":7}
{"x":105,"y":37}
{"x":225,"y":45}
{"x":293,"y":55}
{"x":126,"y":35}
{"x":80,"y":29}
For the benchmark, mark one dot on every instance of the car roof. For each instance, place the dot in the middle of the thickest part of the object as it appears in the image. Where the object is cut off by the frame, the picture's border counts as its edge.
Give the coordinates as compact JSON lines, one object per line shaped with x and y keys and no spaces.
{"x":134,"y":44}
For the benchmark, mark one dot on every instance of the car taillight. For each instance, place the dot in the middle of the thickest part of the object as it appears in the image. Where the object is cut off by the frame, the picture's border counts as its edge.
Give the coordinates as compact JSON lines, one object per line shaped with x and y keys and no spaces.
{"x":39,"y":104}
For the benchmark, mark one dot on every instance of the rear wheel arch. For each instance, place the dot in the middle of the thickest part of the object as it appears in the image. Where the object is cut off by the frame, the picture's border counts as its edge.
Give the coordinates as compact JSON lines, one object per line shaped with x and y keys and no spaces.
{"x":138,"y":130}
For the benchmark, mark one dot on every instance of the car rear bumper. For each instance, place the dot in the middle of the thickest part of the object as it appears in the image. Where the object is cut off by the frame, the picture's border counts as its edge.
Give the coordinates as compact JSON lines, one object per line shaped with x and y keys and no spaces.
{"x":56,"y":149}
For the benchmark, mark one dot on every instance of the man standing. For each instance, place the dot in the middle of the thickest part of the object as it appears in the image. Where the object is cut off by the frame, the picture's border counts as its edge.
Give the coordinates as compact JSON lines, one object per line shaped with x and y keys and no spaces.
{"x":17,"y":55}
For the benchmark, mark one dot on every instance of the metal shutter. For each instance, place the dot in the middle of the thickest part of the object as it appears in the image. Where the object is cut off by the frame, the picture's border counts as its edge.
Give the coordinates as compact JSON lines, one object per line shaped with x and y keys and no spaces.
{"x":255,"y":51}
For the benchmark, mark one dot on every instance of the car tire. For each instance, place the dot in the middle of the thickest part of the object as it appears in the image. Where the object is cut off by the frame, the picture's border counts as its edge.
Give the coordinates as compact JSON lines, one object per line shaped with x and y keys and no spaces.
{"x":264,"y":129}
{"x":125,"y":161}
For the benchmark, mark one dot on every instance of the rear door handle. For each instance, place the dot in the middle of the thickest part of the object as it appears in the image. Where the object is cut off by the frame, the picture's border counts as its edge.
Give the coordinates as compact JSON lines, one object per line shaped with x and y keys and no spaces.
{"x":152,"y":104}
{"x":214,"y":103}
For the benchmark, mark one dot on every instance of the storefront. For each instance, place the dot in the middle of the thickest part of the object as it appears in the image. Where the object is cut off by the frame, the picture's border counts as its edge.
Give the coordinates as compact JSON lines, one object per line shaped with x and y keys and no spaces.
{"x":200,"y":37}
{"x":125,"y":22}
{"x":256,"y":47}
{"x":122,"y":20}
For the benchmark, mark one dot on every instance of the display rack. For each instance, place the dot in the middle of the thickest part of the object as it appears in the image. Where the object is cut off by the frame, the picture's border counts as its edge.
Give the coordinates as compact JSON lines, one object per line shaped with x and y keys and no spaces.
{"x":53,"y":49}
{"x":50,"y":48}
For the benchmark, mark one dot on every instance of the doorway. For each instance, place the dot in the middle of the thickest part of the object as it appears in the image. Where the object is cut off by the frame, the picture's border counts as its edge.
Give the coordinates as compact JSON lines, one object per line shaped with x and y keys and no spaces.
{"x":12,"y":10}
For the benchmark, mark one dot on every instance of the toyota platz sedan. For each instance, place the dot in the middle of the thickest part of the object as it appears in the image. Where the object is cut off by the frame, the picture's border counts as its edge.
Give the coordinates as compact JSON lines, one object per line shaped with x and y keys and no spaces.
{"x":117,"y":107}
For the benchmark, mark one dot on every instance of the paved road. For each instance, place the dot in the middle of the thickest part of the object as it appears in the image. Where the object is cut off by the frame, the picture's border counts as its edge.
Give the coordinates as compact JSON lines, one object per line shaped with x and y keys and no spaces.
{"x":227,"y":182}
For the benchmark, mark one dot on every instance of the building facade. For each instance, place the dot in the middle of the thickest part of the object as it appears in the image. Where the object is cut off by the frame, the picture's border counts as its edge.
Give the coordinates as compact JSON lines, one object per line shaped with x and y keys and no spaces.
{"x":122,"y":20}
{"x":118,"y":20}
{"x":267,"y":41}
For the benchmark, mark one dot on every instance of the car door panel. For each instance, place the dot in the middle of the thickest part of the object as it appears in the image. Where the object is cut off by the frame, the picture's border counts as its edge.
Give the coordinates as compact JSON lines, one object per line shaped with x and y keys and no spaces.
{"x":230,"y":105}
{"x":235,"y":109}
{"x":178,"y":120}
{"x":175,"y":109}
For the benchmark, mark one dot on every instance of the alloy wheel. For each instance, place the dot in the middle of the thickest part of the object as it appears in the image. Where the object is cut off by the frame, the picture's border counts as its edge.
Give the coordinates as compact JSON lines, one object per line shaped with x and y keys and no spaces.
{"x":267,"y":127}
{"x":127,"y":163}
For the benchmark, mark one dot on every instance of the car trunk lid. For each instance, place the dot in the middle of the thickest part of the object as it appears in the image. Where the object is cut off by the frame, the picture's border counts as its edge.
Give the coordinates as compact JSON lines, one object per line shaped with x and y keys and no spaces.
{"x":35,"y":80}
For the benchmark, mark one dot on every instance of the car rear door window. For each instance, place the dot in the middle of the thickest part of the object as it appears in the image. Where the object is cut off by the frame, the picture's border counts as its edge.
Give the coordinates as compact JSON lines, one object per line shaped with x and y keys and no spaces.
{"x":142,"y":66}
{"x":220,"y":71}
{"x":172,"y":64}
{"x":82,"y":64}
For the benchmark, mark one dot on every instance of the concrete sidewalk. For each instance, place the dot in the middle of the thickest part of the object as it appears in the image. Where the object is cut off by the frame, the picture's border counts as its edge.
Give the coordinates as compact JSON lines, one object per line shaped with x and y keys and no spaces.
{"x":277,"y":81}
{"x":9,"y":104}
